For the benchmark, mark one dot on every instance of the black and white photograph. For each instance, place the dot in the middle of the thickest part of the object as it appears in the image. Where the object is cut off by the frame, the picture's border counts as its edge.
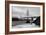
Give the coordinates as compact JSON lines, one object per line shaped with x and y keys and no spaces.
{"x":25,"y":17}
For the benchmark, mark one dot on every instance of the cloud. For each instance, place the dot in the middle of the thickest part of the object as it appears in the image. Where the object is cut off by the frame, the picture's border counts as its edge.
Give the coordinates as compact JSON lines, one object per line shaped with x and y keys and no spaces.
{"x":22,"y":11}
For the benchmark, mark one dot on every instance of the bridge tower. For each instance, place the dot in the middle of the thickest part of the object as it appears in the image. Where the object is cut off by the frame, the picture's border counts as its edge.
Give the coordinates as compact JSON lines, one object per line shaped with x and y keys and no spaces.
{"x":28,"y":21}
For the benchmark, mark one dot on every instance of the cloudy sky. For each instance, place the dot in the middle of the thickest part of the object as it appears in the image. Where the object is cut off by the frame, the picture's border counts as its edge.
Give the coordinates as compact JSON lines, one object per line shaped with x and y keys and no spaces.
{"x":18,"y":11}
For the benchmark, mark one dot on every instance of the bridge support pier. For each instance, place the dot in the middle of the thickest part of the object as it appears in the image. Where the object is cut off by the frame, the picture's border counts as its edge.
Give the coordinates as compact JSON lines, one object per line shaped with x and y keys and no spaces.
{"x":27,"y":21}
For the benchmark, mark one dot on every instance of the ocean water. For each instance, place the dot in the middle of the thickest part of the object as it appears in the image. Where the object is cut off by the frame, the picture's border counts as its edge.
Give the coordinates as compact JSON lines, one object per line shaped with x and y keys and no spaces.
{"x":23,"y":24}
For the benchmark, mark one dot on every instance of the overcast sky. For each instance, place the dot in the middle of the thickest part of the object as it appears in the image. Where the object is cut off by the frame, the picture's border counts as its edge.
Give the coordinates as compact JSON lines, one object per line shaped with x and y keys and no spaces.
{"x":22,"y":11}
